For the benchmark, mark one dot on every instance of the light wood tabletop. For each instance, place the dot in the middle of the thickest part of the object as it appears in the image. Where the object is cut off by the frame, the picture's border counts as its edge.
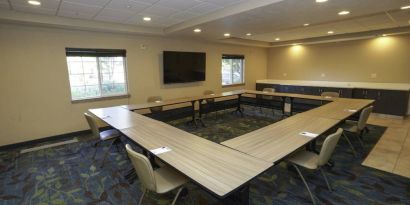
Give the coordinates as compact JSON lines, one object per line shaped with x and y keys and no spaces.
{"x":340,"y":109}
{"x":215,"y":167}
{"x":289,"y":95}
{"x":274,"y":142}
{"x":181,"y":100}
{"x":147,"y":105}
{"x":117,"y":117}
{"x":221,"y":169}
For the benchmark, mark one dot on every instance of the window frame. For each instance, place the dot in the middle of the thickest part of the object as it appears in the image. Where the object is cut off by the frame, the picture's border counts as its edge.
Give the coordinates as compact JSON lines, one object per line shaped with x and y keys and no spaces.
{"x":230,"y":56}
{"x":97,"y":53}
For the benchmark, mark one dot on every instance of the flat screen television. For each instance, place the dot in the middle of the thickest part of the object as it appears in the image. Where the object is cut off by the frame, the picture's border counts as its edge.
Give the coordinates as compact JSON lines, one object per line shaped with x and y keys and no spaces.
{"x":183,"y":67}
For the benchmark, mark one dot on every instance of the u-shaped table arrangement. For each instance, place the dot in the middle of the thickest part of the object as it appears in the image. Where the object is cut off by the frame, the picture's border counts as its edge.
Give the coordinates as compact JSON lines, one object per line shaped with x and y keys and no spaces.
{"x":226,"y":169}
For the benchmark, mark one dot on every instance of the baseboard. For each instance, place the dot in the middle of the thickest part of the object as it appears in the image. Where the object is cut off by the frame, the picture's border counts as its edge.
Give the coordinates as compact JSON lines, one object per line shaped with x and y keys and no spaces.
{"x":46,"y":139}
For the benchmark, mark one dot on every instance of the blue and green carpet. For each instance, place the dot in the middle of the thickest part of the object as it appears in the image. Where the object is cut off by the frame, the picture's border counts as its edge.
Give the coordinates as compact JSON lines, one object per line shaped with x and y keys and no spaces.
{"x":68,"y":174}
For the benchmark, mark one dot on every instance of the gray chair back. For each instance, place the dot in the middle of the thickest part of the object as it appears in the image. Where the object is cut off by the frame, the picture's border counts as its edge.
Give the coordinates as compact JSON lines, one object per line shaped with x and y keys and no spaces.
{"x":209,"y":92}
{"x":143,"y":168}
{"x":93,"y":125}
{"x":330,"y":94}
{"x":329,"y":146}
{"x":269,"y":90}
{"x":364,"y":116}
{"x":153,"y":99}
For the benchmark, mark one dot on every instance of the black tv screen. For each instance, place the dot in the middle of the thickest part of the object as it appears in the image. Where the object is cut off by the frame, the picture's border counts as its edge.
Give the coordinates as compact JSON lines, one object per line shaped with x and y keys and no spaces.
{"x":183,"y":67}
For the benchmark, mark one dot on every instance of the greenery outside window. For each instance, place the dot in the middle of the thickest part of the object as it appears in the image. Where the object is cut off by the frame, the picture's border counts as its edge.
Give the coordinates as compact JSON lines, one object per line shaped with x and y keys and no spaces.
{"x":96,"y":73}
{"x":233,"y":70}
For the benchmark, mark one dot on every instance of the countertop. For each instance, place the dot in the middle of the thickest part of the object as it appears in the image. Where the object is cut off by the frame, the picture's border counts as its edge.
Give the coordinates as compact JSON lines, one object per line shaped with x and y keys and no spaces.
{"x":367,"y":85}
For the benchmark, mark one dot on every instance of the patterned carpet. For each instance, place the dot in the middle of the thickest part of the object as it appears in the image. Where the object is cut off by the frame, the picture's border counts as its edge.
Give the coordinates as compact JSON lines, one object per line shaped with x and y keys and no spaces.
{"x":68,"y":175}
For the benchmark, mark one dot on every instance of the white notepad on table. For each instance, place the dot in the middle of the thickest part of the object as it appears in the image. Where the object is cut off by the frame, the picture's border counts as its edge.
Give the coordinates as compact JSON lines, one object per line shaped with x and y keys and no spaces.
{"x":160,"y":150}
{"x":309,"y":134}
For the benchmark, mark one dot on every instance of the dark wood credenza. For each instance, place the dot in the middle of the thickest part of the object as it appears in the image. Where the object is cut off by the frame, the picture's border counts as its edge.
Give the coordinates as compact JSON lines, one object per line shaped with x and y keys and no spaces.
{"x":387,"y":101}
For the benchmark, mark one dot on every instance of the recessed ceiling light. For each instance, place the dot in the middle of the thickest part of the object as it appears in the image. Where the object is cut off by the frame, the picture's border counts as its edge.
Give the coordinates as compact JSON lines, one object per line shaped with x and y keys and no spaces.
{"x":35,"y":3}
{"x":277,"y":39}
{"x":330,"y":32}
{"x":227,"y":34}
{"x":320,"y":1}
{"x":147,"y":18}
{"x":249,"y":34}
{"x":384,"y":35}
{"x":197,"y":30}
{"x":295,"y":44}
{"x":306,"y":24}
{"x":405,"y":7}
{"x":342,"y":13}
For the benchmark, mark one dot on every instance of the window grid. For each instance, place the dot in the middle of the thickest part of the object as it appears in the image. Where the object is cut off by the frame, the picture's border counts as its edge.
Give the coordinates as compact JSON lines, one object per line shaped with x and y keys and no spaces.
{"x":228,"y":70}
{"x":83,"y":85}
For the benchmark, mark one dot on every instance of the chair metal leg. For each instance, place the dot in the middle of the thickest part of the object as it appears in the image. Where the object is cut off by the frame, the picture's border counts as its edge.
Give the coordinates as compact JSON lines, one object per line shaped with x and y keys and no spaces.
{"x":176,"y":196}
{"x":350,"y":144}
{"x":95,"y":148}
{"x":360,"y":139}
{"x":306,"y":185}
{"x":142,"y":196}
{"x":326,"y":180}
{"x":107,"y":152}
{"x":366,"y":129}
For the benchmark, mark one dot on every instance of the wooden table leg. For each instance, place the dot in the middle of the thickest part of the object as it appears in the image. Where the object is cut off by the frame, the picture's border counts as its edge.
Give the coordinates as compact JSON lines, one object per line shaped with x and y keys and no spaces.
{"x":291,"y":106}
{"x":193,"y":120}
{"x":238,"y":105}
{"x":283,"y":106}
{"x":200,"y":113}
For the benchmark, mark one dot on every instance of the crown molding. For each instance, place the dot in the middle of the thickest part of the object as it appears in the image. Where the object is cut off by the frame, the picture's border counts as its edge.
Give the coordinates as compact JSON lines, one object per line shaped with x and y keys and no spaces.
{"x":345,"y":37}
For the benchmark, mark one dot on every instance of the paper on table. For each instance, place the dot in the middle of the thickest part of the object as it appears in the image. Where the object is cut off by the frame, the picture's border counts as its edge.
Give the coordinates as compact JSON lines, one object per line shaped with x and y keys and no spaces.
{"x":309,"y":134}
{"x":160,"y":150}
{"x":350,"y":110}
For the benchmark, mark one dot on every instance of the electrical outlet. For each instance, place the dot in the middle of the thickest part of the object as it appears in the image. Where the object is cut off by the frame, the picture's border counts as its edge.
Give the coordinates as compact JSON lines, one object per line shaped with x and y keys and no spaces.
{"x":323,"y":75}
{"x":373,"y":75}
{"x":285,"y":74}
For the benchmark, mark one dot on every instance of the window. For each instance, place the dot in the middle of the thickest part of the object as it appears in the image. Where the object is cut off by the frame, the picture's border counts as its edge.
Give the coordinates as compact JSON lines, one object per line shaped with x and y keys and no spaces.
{"x":96,"y":73}
{"x":233,"y":69}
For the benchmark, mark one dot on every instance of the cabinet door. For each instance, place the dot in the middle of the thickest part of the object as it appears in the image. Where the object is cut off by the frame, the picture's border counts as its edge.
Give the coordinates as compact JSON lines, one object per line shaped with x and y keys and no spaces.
{"x":313,"y":90}
{"x":286,"y":88}
{"x":359,"y":93}
{"x":346,"y":92}
{"x":393,"y":102}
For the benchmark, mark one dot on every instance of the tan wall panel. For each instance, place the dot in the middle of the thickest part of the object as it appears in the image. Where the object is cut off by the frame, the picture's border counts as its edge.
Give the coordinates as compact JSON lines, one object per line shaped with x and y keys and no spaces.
{"x":35,"y":101}
{"x":351,"y":61}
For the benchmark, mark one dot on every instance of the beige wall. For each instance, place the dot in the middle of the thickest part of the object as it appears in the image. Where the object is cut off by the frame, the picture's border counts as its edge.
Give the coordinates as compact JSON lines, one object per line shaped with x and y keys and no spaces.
{"x":387,"y":57}
{"x":35,"y":95}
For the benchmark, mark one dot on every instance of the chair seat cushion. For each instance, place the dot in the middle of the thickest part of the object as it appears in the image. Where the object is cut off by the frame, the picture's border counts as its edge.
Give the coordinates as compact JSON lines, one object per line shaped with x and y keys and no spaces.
{"x":350,"y":126}
{"x":109,"y":134}
{"x":168,"y":179}
{"x":305,"y":159}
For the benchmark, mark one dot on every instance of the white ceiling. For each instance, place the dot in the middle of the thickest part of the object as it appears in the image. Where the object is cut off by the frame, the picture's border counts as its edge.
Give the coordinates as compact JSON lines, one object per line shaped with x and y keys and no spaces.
{"x":265,"y":19}
{"x":164,"y":13}
{"x":285,"y":19}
